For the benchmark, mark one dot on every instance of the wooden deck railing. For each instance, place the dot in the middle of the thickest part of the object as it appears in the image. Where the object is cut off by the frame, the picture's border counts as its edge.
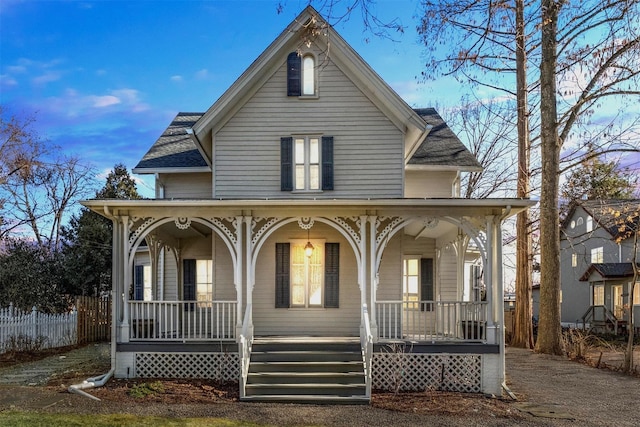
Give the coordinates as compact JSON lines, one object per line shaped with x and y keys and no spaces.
{"x":432,"y":320}
{"x":182,"y":320}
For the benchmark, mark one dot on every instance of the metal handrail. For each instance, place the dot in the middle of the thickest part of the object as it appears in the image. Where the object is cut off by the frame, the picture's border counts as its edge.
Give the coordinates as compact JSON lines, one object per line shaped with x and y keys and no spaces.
{"x":366,"y":342}
{"x":246,"y":341}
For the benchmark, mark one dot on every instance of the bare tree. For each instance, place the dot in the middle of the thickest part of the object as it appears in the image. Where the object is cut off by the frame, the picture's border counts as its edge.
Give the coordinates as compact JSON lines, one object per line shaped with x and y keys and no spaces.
{"x":486,"y":128}
{"x":36,"y":189}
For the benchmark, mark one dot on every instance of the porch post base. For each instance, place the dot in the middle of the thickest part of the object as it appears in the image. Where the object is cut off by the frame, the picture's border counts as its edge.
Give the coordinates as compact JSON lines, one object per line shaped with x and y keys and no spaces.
{"x":124,"y":332}
{"x":493,"y":334}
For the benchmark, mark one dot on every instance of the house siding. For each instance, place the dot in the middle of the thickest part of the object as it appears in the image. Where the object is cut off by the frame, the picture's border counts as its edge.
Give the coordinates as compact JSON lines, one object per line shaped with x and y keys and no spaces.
{"x":187,"y":185}
{"x":576,"y":295}
{"x":268,"y":320}
{"x":421,"y":184}
{"x":247,"y":148}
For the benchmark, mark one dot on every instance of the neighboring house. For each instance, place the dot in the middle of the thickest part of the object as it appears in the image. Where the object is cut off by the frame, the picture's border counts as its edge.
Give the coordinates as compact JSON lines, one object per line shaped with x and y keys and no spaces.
{"x":596,"y":265}
{"x":307,"y":238}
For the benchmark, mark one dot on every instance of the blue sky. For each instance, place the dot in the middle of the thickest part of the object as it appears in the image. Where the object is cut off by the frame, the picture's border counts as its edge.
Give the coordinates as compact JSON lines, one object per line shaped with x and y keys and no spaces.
{"x":106,"y":77}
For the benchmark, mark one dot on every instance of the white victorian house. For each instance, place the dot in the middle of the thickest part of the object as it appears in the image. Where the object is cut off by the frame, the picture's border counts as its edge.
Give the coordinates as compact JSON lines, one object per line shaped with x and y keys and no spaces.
{"x":308,"y":240}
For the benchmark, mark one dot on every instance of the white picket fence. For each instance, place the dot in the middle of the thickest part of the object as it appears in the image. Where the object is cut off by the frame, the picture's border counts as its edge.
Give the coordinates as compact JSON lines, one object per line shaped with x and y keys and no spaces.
{"x":20,"y":330}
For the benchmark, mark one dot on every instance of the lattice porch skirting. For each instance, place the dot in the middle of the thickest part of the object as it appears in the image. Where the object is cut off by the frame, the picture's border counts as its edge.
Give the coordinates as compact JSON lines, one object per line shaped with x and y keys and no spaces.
{"x":420,"y":372}
{"x":220,"y":366}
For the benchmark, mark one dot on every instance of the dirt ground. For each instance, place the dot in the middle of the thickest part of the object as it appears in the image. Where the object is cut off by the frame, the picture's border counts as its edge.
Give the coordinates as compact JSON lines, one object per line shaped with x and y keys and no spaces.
{"x":550,"y":391}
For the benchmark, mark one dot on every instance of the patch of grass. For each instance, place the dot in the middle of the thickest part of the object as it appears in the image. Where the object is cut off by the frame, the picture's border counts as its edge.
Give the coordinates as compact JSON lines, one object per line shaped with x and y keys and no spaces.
{"x":30,"y":419}
{"x":143,"y":390}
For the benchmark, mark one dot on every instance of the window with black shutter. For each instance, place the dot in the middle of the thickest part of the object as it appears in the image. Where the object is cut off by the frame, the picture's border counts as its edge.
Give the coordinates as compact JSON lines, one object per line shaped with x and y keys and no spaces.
{"x":332,"y":275}
{"x":426,"y":283}
{"x":138,"y":283}
{"x":297,"y":282}
{"x":294,"y":74}
{"x":306,"y":163}
{"x":189,"y":283}
{"x":282,"y":275}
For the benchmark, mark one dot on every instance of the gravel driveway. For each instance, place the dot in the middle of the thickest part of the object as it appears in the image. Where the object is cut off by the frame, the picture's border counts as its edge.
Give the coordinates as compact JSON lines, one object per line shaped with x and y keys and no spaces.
{"x":551,"y":391}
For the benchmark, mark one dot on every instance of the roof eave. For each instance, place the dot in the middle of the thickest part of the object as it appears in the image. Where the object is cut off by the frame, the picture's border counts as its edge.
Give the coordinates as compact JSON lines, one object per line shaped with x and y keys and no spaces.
{"x":150,"y":171}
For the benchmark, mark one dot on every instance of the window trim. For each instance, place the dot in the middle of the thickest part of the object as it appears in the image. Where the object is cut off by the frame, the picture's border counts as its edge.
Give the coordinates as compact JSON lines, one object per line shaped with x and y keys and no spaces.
{"x":303,"y":75}
{"x":306,"y":139}
{"x":599,"y":255}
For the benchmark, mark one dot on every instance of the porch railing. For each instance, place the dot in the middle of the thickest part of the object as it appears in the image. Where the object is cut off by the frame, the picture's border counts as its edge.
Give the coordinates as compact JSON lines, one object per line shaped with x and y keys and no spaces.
{"x":182,"y":320}
{"x":432,"y":320}
{"x":599,"y":316}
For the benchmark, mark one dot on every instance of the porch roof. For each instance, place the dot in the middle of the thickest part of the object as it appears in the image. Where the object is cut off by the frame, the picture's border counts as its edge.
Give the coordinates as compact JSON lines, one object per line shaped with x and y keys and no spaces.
{"x":608,"y":270}
{"x":287,"y":207}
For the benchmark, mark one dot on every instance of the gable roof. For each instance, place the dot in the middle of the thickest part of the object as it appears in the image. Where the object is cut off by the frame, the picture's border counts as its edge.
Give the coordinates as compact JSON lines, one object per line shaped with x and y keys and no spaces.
{"x":442,"y":147}
{"x":609,"y":270}
{"x":348,"y":60}
{"x":608,"y":213}
{"x":429,"y":142}
{"x":175,"y":149}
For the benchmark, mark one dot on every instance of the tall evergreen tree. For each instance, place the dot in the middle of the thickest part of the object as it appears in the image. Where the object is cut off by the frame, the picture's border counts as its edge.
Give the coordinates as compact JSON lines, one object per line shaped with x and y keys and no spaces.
{"x":597,"y":179}
{"x":87,"y":246}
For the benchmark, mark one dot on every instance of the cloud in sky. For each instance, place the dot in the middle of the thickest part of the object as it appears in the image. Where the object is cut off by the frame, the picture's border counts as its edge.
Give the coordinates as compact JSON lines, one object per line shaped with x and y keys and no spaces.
{"x":202,"y":74}
{"x":176,"y":78}
{"x":45,"y":78}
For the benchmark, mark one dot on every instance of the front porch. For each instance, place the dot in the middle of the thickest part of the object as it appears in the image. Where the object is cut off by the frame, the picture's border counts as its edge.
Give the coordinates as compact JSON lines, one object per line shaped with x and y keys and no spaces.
{"x":417,"y":282}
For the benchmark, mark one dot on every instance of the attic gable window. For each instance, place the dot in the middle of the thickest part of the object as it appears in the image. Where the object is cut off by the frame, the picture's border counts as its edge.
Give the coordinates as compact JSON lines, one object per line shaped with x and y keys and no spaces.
{"x":301,"y":75}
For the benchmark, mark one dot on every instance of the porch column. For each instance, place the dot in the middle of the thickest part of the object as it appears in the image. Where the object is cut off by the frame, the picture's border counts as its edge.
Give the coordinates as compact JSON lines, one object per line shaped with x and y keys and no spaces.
{"x":373,"y":276}
{"x":362,"y":273}
{"x":248,"y":259}
{"x":490,"y":280}
{"x":126,"y":278}
{"x":237,"y":275}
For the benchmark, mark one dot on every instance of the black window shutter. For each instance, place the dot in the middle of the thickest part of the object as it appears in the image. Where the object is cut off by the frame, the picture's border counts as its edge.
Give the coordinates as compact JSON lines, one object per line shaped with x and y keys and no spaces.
{"x":138,"y":283}
{"x":286,"y":163}
{"x":294,"y":77}
{"x":189,"y":282}
{"x":327,"y":163}
{"x":282,"y":275}
{"x":332,"y":275}
{"x":426,"y":283}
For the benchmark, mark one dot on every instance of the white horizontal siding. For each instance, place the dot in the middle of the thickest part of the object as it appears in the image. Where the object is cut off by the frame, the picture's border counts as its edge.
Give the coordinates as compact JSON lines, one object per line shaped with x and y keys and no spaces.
{"x":343,"y":321}
{"x":421,"y":184}
{"x":368,"y":148}
{"x":187,"y":185}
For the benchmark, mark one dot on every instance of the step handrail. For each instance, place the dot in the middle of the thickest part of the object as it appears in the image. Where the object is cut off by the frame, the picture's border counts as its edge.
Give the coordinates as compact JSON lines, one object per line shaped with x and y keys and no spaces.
{"x":366,"y":342}
{"x":246,"y":341}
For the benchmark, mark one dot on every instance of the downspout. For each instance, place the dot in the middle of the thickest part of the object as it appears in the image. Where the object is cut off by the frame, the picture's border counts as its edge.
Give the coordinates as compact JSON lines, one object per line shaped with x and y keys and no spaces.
{"x":100,"y":380}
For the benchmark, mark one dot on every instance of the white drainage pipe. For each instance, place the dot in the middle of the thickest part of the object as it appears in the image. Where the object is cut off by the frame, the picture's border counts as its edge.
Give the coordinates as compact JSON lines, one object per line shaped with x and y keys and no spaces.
{"x":91,"y":383}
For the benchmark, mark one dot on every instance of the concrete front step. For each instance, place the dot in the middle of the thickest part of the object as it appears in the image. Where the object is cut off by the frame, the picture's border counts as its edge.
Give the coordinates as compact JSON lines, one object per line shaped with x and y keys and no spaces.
{"x":306,"y":370}
{"x":352,"y":378}
{"x":304,"y":356}
{"x":306,"y":366}
{"x":341,"y":390}
{"x":310,"y":399}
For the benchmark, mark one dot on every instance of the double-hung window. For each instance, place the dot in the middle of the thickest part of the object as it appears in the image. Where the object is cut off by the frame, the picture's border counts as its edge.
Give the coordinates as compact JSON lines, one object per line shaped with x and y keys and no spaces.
{"x":197,"y":282}
{"x":307,"y":155}
{"x":142,"y":290}
{"x":306,"y":163}
{"x":417,"y":280}
{"x":597,"y":255}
